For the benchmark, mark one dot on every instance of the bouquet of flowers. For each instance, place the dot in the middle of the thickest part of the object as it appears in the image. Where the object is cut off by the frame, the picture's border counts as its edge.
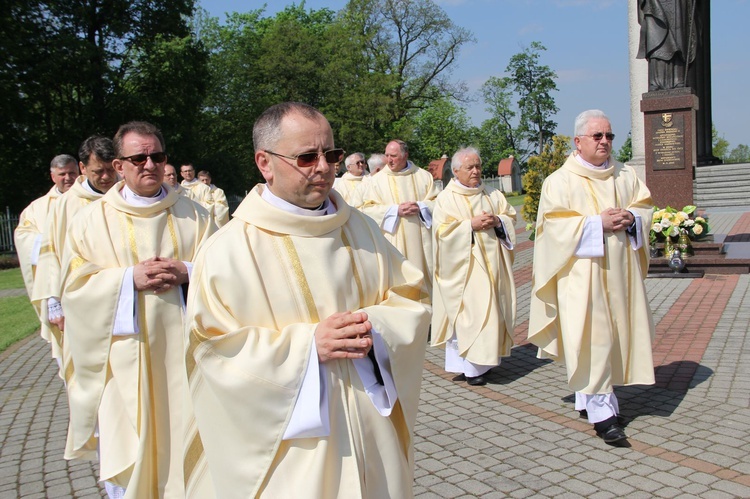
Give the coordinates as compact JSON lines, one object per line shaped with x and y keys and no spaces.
{"x":669,"y":222}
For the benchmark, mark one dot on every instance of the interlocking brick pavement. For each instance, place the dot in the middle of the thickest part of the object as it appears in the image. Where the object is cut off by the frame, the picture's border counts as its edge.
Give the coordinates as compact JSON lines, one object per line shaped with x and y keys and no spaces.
{"x":518,"y":436}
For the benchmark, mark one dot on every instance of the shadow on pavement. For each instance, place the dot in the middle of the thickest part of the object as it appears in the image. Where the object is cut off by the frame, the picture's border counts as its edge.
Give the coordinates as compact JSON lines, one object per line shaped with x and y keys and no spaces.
{"x":522,"y":362}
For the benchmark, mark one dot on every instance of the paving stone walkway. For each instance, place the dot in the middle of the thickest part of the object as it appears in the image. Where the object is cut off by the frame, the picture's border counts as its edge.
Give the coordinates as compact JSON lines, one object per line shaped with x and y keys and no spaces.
{"x":519,"y":435}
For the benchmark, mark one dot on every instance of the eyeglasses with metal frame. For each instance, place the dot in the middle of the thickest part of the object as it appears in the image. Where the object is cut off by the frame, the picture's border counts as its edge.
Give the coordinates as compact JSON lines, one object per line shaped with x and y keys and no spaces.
{"x":599,"y":136}
{"x":309,"y":159}
{"x":140,"y":159}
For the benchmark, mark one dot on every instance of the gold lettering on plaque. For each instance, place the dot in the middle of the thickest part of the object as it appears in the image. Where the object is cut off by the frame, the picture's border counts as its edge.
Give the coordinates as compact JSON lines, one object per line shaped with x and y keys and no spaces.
{"x":668,"y":142}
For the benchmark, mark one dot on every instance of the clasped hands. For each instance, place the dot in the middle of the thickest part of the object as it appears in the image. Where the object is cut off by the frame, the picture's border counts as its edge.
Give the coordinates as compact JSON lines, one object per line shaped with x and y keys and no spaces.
{"x":614,"y":219}
{"x":343,"y":335}
{"x":159,"y":274}
{"x":484,"y":221}
{"x":408,"y":208}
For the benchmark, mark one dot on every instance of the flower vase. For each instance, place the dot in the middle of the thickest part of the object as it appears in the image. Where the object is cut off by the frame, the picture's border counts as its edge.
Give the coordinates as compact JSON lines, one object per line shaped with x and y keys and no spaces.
{"x":668,"y":248}
{"x":684,"y":245}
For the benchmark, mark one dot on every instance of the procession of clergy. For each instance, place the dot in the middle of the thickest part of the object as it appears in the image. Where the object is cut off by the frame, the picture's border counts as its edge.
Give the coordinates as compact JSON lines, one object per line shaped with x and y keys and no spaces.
{"x":280,"y":354}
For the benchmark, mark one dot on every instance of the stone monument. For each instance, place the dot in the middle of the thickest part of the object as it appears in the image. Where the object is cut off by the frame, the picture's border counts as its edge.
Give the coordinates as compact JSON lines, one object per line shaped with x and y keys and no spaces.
{"x":675,"y":40}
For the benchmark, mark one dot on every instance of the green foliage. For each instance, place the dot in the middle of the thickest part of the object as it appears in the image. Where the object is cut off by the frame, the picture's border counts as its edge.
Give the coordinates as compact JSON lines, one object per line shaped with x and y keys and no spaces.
{"x":720,"y":145}
{"x":539,"y":168}
{"x":73,"y":68}
{"x":625,"y":153}
{"x":441,"y":128}
{"x":521,"y":108}
{"x":740,"y":154}
{"x":11,"y":279}
{"x":19,"y":320}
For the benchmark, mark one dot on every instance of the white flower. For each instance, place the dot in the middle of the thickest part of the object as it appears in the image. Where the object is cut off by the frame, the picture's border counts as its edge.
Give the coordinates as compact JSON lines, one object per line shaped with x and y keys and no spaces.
{"x":665,"y":222}
{"x":698,"y":229}
{"x":689,"y":223}
{"x":675,"y":231}
{"x":657,"y":227}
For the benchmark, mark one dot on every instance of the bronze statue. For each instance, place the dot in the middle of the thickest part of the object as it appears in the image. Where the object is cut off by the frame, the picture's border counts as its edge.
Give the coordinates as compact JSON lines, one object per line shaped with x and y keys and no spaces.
{"x":669,"y":41}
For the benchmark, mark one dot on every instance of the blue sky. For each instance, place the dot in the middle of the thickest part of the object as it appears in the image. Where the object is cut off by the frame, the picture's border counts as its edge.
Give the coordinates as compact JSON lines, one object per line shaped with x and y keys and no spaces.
{"x":587,"y":46}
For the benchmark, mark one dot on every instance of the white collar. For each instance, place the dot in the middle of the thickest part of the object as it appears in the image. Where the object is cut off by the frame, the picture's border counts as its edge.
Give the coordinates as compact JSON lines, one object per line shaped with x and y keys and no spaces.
{"x":327,"y":208}
{"x":585,"y":163}
{"x":134,"y":199}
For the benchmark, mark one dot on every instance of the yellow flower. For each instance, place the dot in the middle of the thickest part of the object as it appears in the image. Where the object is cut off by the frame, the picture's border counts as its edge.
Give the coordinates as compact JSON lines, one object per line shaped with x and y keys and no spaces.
{"x":698,"y":229}
{"x":700,"y":219}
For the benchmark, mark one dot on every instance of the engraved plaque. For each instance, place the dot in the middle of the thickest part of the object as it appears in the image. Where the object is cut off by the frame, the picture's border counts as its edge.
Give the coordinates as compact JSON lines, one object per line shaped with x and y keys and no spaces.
{"x":668,"y":141}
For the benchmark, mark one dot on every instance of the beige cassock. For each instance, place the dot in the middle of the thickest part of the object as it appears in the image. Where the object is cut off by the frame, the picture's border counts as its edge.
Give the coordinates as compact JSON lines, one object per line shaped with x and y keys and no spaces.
{"x":260,"y":287}
{"x":592,"y":313}
{"x":31,"y":223}
{"x":349,"y":187}
{"x":131,"y":389}
{"x":221,"y":206}
{"x":474,"y":294}
{"x":200,"y":193}
{"x":389,"y":188}
{"x":53,"y":241}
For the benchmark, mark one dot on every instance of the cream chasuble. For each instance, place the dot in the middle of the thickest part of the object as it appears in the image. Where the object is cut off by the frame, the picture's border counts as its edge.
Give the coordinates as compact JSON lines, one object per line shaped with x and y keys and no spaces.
{"x":260,"y":287}
{"x":27,"y":236}
{"x":130,"y":388}
{"x":200,"y":193}
{"x":221,"y":206}
{"x":411,"y":237}
{"x":474,"y":294}
{"x":53,"y":241}
{"x":592,"y":313}
{"x":349,"y":186}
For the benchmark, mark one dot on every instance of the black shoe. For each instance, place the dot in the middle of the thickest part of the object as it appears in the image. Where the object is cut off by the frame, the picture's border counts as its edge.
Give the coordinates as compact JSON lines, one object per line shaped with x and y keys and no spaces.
{"x":612,"y":434}
{"x":476,"y":380}
{"x":583,"y":414}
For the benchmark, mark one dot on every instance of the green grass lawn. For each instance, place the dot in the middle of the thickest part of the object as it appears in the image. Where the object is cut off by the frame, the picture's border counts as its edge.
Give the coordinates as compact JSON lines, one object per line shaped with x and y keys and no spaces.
{"x":17,"y":320}
{"x":516,"y":200}
{"x":11,"y":279}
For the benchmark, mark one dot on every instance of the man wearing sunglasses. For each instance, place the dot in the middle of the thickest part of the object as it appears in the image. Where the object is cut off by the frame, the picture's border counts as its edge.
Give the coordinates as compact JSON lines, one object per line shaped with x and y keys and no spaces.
{"x":589,"y":307}
{"x":97,"y":177}
{"x":126,"y":262}
{"x":306,"y":333}
{"x":400,"y":199}
{"x":349,"y":184}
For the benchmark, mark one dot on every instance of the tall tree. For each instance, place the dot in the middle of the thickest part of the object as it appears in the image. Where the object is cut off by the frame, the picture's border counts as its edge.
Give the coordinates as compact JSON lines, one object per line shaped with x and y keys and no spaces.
{"x":534,"y":84}
{"x":441,"y":128}
{"x":539,"y":168}
{"x":77,"y":67}
{"x":417,"y":43}
{"x":625,"y":153}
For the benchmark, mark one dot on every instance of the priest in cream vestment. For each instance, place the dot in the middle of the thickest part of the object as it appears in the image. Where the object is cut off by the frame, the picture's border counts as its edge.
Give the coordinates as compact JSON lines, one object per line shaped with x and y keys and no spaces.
{"x":221,"y":205}
{"x":400,"y":199}
{"x":126,"y":260}
{"x":350,"y":184}
{"x":307,"y":332}
{"x":97,"y":177}
{"x":473,"y":293}
{"x":33,"y":219}
{"x":589,"y":307}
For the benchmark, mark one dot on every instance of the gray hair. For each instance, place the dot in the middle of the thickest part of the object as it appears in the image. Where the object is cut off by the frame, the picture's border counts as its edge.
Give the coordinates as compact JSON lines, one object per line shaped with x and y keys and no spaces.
{"x":267,"y":128}
{"x":352,"y":158}
{"x":376,"y":162}
{"x":460,"y":155}
{"x":61,"y":161}
{"x":582,"y":120}
{"x":403,"y":145}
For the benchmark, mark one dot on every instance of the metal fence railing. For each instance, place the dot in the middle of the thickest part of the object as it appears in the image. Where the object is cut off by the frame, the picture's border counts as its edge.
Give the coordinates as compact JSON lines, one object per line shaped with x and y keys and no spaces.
{"x":8,"y":224}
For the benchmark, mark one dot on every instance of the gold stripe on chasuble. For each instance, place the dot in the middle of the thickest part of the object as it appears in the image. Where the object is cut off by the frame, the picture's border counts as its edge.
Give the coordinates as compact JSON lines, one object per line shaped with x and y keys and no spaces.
{"x":145,"y":365}
{"x":414,"y":187}
{"x":68,"y":374}
{"x":47,"y":248}
{"x":299,"y":276}
{"x":394,"y":189}
{"x":357,"y":279}
{"x":173,"y":235}
{"x":482,"y":249}
{"x":192,"y":455}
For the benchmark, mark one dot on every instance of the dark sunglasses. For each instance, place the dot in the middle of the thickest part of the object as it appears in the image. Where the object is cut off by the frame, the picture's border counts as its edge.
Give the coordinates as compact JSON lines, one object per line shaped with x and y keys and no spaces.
{"x":599,"y":136}
{"x":308,"y":159}
{"x":361,"y":162}
{"x":140,"y":159}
